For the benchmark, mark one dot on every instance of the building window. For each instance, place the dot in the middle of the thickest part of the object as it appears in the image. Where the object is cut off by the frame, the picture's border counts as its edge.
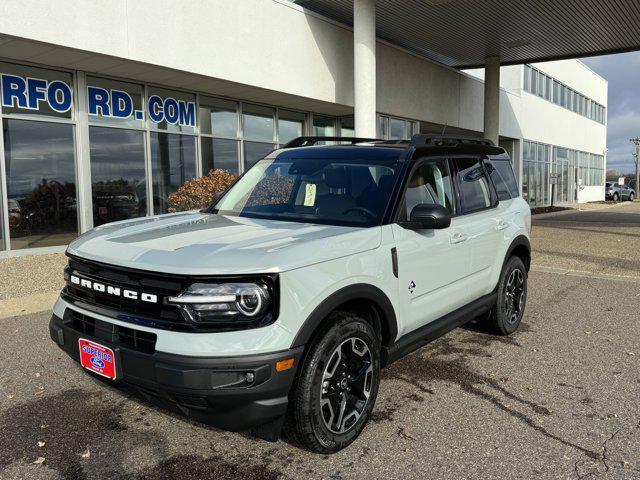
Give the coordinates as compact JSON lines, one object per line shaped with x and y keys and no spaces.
{"x":39,"y":156}
{"x":41,"y":183}
{"x":171,"y":110}
{"x":347,"y":126}
{"x":258,"y":133}
{"x":323,"y":126}
{"x":173,"y":162}
{"x":391,"y":128}
{"x":542,"y":85}
{"x":219,"y":121}
{"x":118,"y":183}
{"x":290,"y":125}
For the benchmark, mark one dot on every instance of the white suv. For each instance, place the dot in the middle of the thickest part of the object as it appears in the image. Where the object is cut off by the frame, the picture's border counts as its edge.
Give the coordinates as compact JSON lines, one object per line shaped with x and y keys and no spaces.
{"x":275,"y":309}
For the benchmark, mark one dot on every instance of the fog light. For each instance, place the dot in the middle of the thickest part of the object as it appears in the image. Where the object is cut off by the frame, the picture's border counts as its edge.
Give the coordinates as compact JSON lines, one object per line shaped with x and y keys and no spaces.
{"x":249,"y":377}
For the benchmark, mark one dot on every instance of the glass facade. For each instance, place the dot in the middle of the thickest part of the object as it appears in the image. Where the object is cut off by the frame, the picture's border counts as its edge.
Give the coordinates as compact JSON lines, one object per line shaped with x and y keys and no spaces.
{"x":392,"y":128}
{"x":542,"y":85}
{"x":118,"y":184}
{"x":131,"y":143}
{"x":571,"y":169}
{"x":173,"y":162}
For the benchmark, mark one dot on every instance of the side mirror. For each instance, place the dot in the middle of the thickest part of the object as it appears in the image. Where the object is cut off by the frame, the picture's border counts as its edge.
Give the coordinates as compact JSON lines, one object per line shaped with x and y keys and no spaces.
{"x":428,"y":216}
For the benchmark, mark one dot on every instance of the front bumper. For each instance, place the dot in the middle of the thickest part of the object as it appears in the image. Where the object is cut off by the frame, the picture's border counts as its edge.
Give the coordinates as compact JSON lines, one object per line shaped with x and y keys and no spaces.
{"x":231,"y":393}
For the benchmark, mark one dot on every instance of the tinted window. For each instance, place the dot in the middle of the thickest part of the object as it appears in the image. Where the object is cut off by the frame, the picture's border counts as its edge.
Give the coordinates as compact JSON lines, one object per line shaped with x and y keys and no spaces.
{"x":503,"y":179}
{"x":475,"y":193}
{"x":430,"y":183}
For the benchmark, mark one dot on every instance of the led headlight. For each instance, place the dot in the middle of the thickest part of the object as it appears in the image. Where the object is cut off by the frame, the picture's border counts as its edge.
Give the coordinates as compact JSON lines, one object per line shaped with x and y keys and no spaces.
{"x":237,"y":304}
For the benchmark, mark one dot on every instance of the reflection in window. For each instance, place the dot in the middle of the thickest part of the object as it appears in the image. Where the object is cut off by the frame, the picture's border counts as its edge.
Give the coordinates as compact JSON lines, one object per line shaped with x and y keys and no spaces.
{"x":396,"y":129}
{"x":41,"y":183}
{"x":474,"y":188}
{"x":290,"y":125}
{"x":258,"y":123}
{"x":254,"y":151}
{"x":219,"y":153}
{"x":323,"y":126}
{"x":218,"y":117}
{"x":117,"y":174}
{"x":347,"y":127}
{"x":173,"y":162}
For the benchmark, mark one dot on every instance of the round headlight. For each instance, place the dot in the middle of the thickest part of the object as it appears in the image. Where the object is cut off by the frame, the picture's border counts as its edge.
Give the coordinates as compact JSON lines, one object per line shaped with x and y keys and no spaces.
{"x":250,"y":303}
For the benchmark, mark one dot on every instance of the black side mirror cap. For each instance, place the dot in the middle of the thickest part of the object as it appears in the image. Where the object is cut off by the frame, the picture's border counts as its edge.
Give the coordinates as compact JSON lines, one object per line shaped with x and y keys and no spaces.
{"x":428,"y":216}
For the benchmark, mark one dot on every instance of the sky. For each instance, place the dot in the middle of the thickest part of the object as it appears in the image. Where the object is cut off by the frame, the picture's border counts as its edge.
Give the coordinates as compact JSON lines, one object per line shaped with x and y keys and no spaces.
{"x":622,"y":71}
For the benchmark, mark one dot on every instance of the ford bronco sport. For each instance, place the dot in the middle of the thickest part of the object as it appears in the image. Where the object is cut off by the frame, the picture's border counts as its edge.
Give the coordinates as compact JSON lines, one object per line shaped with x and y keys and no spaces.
{"x":274,"y":309}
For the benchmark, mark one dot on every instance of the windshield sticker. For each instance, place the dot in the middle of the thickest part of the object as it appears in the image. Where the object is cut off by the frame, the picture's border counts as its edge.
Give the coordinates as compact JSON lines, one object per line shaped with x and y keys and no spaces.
{"x":310,"y":195}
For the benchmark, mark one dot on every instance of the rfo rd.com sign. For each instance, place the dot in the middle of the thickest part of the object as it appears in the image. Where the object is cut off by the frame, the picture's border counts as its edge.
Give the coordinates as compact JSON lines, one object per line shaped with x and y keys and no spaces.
{"x":30,"y":93}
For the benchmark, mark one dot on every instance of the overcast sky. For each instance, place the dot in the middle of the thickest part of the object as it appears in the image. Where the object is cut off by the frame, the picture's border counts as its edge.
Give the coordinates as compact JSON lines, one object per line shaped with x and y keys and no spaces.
{"x":623,"y":74}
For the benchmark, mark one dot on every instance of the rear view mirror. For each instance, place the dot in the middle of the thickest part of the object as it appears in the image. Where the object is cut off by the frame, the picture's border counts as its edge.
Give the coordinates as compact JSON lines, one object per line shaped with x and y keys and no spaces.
{"x":428,"y":216}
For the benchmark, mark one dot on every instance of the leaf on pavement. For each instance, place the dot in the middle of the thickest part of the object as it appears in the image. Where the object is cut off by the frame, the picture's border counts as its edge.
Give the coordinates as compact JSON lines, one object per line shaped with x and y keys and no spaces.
{"x":86,"y":453}
{"x":39,"y":461}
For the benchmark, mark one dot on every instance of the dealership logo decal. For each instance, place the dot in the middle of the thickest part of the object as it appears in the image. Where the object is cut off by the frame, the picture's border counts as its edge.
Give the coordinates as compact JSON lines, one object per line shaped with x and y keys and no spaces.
{"x":119,"y":104}
{"x":28,"y":93}
{"x":114,"y":291}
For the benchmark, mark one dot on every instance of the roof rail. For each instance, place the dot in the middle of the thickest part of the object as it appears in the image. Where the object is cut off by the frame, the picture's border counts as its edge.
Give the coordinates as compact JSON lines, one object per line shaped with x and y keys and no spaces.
{"x":437,"y":140}
{"x":310,"y":141}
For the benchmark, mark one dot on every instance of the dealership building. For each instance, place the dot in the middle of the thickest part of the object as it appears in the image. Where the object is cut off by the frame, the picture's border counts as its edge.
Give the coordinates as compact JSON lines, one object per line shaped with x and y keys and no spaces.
{"x":107,"y":107}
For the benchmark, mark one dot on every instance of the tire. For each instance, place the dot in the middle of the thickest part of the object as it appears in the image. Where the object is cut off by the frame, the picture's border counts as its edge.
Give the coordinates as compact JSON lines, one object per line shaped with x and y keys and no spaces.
{"x":616,"y":197}
{"x":631,"y":196}
{"x":506,"y":314}
{"x":320,"y":385}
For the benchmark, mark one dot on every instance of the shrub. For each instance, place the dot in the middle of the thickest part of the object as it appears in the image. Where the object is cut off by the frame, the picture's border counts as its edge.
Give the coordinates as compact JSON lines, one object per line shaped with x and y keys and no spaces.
{"x":199,"y":192}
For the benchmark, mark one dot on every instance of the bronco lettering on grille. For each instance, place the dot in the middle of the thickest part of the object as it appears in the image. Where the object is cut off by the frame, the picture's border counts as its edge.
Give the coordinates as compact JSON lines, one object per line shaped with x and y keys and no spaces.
{"x":114,"y":291}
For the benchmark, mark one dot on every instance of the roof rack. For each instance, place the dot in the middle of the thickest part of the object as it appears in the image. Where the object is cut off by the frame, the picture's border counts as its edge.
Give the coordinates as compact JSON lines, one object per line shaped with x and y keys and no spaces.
{"x":436,"y":140}
{"x":310,"y":141}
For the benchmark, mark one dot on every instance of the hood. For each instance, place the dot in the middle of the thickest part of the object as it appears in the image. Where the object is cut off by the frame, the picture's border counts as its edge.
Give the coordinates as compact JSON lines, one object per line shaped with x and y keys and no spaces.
{"x":207,"y":244}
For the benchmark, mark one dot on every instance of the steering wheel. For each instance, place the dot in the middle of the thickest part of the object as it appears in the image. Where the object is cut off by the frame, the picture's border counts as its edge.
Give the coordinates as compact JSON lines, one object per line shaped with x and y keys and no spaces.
{"x":363,"y":210}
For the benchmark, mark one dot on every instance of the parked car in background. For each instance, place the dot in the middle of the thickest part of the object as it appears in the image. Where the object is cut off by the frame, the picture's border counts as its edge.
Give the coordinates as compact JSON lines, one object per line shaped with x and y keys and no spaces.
{"x":615,"y":191}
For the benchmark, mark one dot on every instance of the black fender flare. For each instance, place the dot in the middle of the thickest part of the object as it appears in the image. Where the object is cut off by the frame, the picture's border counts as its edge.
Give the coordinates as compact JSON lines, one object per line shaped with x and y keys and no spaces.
{"x":519,"y":241}
{"x":358,"y":291}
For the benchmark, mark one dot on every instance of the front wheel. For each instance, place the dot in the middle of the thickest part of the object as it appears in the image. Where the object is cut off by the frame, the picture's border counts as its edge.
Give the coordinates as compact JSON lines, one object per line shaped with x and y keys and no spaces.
{"x":616,"y":197}
{"x":336,"y":386}
{"x":508,"y":310}
{"x":631,"y":197}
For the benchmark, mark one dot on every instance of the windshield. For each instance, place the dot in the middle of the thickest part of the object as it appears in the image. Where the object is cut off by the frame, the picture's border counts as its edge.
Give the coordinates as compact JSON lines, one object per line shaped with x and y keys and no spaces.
{"x":326,"y":191}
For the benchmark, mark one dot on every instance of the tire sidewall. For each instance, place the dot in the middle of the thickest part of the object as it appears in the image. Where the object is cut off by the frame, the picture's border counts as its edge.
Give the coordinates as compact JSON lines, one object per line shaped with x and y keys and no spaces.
{"x":345,"y":328}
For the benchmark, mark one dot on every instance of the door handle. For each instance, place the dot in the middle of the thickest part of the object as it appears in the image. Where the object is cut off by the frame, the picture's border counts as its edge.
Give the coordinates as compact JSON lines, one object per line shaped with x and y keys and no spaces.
{"x":501,"y":225}
{"x":458,"y":238}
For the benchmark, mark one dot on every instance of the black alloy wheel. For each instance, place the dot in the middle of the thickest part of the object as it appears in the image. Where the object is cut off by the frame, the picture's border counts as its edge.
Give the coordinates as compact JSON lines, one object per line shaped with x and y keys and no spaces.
{"x":514,"y":295}
{"x":508,"y":310}
{"x":346,"y":385}
{"x":336,"y":385}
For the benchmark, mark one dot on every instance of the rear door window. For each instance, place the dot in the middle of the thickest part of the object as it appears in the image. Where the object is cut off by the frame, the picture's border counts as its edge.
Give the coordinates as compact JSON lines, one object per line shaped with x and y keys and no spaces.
{"x":474,"y":190}
{"x":503,"y":178}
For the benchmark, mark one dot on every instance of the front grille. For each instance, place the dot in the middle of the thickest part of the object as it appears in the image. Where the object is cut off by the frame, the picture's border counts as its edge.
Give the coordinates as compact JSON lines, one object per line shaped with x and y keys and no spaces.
{"x":117,"y":335}
{"x":158,"y":314}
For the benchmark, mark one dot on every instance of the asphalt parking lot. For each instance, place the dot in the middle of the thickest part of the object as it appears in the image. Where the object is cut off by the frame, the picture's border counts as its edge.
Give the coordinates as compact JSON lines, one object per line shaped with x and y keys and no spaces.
{"x":559,"y":399}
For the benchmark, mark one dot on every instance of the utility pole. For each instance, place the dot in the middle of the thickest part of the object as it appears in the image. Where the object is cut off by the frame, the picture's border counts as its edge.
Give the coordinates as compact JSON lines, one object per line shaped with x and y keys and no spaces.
{"x":636,"y":142}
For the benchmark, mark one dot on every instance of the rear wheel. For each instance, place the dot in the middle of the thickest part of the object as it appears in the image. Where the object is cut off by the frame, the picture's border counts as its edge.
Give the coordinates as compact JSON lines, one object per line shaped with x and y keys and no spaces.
{"x":631,"y":197}
{"x":506,"y":314}
{"x":336,"y":386}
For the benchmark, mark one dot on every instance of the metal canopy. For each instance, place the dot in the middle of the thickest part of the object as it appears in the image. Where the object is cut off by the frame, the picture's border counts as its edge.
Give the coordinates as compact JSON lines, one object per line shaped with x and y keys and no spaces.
{"x":463,"y":33}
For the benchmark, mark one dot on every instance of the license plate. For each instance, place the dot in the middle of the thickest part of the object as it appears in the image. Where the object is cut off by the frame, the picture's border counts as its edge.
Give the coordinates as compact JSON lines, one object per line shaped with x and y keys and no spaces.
{"x":97,"y":358}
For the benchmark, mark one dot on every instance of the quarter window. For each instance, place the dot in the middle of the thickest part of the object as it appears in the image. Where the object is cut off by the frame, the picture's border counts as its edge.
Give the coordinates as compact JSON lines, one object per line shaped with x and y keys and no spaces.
{"x":503,"y":178}
{"x":474,"y":190}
